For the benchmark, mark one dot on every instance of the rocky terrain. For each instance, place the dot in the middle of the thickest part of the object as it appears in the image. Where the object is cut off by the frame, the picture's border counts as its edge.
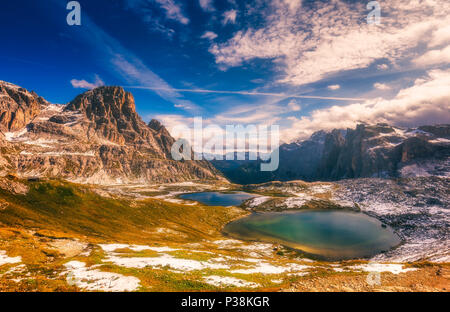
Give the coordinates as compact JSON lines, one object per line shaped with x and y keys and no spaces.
{"x":96,"y":138}
{"x":416,"y":208}
{"x":365,"y":152}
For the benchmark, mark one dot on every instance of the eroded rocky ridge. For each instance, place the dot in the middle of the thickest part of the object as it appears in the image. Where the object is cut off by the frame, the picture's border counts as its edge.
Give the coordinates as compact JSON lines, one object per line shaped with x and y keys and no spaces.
{"x":96,"y":138}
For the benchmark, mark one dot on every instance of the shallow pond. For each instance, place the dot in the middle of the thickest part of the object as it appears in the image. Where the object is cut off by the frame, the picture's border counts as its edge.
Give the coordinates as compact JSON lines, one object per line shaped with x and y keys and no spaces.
{"x":218,"y":199}
{"x":327,"y":234}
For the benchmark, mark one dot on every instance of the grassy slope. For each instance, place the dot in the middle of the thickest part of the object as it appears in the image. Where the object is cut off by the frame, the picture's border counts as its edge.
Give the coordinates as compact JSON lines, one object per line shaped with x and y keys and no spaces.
{"x":57,"y":209}
{"x":74,"y":210}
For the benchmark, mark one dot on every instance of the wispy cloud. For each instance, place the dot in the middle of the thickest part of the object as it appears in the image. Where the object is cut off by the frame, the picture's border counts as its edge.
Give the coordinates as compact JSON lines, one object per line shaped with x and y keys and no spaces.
{"x":294,"y":106}
{"x":134,"y":70}
{"x":207,"y":5}
{"x":282,"y":95}
{"x":334,"y":87}
{"x":434,"y":57}
{"x":310,"y":43}
{"x":381,"y":86}
{"x":83,"y":84}
{"x":173,"y":11}
{"x":209,"y":35}
{"x":155,"y":13}
{"x":229,"y":17}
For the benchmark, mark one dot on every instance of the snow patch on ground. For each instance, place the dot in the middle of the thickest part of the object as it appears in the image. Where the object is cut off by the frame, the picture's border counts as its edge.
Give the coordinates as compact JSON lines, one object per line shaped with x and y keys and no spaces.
{"x":321,"y":188}
{"x":160,"y":261}
{"x":382,"y":267}
{"x":440,"y":140}
{"x":254,"y":202}
{"x":15,"y":136}
{"x":86,"y":154}
{"x":96,"y":280}
{"x":297,"y":202}
{"x":164,"y":261}
{"x":224,"y":281}
{"x":433,"y":250}
{"x":226,"y":243}
{"x":255,"y":249}
{"x":267,"y":268}
{"x":4,"y":259}
{"x":171,"y":199}
{"x":414,"y":171}
{"x":113,"y":247}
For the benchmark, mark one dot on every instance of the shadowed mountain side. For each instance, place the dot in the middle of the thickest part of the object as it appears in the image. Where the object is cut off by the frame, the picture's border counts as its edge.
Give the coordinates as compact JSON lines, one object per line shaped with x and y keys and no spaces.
{"x":367,"y":151}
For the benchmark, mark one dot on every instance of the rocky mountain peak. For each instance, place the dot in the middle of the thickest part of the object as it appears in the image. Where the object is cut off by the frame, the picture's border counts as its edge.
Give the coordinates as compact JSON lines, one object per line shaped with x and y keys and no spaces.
{"x":18,"y":106}
{"x":155,"y":125}
{"x":105,"y":102}
{"x":96,"y":138}
{"x":113,"y":114}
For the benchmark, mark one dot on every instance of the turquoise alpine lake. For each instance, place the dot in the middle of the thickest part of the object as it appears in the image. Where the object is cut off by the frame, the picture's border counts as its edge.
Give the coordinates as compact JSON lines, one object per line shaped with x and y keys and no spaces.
{"x":326,"y":234}
{"x":218,"y":199}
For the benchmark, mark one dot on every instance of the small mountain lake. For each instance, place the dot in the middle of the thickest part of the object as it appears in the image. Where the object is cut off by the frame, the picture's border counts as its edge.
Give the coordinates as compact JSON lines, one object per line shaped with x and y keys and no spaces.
{"x":218,"y":199}
{"x":326,"y":234}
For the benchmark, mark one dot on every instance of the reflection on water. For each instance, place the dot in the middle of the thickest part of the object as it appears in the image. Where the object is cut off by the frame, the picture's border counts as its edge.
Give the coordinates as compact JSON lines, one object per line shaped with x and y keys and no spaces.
{"x":218,"y":199}
{"x":328,"y":234}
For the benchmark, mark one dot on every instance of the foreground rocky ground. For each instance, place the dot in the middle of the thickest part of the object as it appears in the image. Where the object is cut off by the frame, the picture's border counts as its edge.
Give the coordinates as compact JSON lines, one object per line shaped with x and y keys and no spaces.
{"x":59,"y":236}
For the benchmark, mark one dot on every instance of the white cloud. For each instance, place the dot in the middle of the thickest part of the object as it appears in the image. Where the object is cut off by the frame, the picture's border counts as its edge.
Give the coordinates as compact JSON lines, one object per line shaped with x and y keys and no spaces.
{"x":229,"y":17}
{"x":83,"y":84}
{"x":209,"y":35}
{"x":381,"y":86}
{"x":207,"y":5}
{"x":145,"y":8}
{"x":173,"y":11}
{"x":334,"y":87}
{"x":309,"y":44}
{"x":383,"y":66}
{"x":294,"y":106}
{"x":426,"y":102}
{"x":434,"y":57}
{"x":440,"y":36}
{"x":293,"y":5}
{"x":257,"y":80}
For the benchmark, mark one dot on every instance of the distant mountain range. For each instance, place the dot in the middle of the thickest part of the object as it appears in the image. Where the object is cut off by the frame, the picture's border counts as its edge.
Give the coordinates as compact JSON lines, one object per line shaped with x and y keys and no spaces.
{"x":99,"y":138}
{"x":367,"y":151}
{"x":96,"y":138}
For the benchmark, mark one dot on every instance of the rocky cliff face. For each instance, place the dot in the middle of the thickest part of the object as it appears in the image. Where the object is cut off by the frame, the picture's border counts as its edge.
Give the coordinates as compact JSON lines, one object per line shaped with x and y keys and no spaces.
{"x":17,"y":106}
{"x":367,"y":151}
{"x":96,"y":138}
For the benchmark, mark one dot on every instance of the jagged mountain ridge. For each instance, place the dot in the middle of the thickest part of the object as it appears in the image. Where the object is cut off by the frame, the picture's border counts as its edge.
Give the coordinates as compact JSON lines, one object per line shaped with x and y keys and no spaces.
{"x":367,"y":151}
{"x":96,"y":138}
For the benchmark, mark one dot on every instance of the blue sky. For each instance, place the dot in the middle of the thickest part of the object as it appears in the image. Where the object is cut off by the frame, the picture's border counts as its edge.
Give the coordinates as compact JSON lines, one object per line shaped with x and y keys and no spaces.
{"x":305,"y":65}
